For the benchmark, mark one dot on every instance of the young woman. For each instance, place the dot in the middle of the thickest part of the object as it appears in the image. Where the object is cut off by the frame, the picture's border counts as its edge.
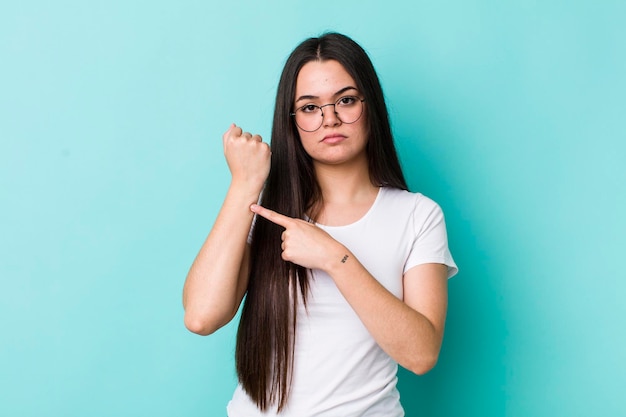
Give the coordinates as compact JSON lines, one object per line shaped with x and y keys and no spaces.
{"x":343,"y":270}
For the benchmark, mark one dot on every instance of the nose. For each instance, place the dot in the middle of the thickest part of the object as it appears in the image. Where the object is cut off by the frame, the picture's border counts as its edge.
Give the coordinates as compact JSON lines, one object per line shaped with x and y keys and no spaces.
{"x":330,"y":118}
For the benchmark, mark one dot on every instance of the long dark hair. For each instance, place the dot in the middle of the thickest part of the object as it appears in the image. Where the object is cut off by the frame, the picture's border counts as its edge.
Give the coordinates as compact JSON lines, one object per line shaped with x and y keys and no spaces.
{"x":265,"y":340}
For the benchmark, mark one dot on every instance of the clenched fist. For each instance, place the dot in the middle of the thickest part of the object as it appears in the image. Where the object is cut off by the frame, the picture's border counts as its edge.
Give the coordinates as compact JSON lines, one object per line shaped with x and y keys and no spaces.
{"x":248,"y":157}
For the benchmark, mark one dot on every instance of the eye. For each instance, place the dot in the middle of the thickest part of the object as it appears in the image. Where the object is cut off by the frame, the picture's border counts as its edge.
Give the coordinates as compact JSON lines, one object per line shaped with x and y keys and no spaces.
{"x":309,"y":108}
{"x":347,"y":101}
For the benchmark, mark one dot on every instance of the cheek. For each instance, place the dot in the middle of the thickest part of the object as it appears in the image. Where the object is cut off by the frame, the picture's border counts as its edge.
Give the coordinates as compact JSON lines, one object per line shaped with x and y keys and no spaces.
{"x":306,"y":136}
{"x":362,"y":125}
{"x":307,"y":140}
{"x":362,"y":129}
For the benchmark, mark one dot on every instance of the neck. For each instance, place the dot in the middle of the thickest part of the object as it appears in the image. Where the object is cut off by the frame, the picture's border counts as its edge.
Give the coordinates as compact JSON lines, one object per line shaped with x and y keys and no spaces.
{"x":341,"y":184}
{"x":347,"y":194}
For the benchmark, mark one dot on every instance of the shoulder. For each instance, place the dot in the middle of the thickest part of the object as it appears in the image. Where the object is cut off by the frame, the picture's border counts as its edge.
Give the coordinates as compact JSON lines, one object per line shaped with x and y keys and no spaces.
{"x":420,"y":211}
{"x":415,"y":202}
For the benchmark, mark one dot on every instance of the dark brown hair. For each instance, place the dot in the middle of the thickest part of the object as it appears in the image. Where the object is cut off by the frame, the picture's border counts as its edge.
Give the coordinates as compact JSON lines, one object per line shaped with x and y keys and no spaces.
{"x":265,"y":340}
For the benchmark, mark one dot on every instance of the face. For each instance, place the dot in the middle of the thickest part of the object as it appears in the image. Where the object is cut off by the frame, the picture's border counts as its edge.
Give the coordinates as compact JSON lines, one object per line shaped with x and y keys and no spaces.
{"x":324,"y":82}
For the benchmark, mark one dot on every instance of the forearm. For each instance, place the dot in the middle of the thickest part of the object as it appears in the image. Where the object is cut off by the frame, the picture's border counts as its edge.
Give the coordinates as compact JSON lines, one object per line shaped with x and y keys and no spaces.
{"x":217,"y":278}
{"x":409,"y":330}
{"x":404,"y":333}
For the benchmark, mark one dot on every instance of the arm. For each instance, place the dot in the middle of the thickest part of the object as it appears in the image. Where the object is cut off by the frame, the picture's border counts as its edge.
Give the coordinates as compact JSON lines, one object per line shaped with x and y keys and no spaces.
{"x":409,"y":330}
{"x":217,"y":279}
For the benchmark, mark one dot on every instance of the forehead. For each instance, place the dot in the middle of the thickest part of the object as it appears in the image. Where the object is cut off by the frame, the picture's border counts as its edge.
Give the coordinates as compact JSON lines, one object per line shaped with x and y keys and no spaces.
{"x":322,"y":79}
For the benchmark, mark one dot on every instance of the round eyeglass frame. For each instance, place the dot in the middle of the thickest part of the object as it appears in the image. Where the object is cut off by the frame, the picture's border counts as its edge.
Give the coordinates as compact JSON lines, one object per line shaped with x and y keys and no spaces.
{"x":293,"y":114}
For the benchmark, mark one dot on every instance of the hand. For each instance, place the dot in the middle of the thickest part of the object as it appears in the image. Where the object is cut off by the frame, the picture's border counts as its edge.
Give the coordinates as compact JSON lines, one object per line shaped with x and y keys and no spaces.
{"x":247,"y":156}
{"x":303,"y":243}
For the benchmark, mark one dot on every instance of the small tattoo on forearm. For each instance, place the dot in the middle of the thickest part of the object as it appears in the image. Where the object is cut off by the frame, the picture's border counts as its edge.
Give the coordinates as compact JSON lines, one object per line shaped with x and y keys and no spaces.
{"x":345,"y":258}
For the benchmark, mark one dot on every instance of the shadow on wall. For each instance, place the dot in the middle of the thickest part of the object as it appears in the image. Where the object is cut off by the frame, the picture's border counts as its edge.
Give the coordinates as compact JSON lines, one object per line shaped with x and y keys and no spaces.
{"x":470,"y":376}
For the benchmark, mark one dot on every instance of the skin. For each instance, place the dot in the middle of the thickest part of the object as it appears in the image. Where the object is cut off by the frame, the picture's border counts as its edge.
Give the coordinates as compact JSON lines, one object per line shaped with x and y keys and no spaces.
{"x":409,"y":330}
{"x":335,"y":142}
{"x":217,"y":279}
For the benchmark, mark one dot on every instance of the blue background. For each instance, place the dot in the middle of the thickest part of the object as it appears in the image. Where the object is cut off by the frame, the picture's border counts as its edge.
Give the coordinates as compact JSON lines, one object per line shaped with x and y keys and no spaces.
{"x":509,"y":114}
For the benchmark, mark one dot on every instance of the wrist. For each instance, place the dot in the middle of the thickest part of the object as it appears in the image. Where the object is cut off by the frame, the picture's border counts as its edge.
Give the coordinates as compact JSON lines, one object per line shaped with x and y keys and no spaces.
{"x":246,"y":188}
{"x":245,"y":194}
{"x":339,"y":258}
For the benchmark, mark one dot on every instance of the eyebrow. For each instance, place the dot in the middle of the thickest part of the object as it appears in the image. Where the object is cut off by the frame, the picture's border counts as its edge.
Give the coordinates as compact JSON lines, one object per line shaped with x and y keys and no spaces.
{"x":309,"y":97}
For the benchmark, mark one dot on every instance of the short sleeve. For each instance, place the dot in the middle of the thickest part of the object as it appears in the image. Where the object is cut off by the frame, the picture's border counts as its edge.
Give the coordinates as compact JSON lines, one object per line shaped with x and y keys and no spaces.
{"x":430,"y":238}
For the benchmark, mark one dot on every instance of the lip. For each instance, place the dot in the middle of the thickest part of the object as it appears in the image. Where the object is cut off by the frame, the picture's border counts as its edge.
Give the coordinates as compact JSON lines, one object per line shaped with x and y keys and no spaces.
{"x":333,"y":138}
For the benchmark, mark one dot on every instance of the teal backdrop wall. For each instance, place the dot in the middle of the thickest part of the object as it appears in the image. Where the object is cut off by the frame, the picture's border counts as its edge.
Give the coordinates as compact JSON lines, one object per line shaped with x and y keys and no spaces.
{"x":510,"y":114}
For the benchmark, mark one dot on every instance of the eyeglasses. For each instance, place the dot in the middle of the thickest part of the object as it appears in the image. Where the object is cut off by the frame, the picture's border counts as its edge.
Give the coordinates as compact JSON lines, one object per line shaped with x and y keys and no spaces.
{"x":310,"y":117}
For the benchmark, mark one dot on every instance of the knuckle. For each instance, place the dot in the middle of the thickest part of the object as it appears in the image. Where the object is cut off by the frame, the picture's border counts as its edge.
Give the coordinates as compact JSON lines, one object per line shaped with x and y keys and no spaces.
{"x":235,"y":133}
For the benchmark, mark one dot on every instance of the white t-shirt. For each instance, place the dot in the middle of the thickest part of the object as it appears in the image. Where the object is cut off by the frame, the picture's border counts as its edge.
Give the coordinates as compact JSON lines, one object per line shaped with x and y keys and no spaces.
{"x":339,"y":369}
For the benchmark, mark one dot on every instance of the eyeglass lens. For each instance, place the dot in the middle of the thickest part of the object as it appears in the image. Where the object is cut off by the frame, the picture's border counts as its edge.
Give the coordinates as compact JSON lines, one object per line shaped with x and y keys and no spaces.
{"x":310,"y":117}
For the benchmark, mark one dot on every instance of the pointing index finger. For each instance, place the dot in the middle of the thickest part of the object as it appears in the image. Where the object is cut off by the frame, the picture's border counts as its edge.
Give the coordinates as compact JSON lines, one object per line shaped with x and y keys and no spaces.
{"x":271,"y":215}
